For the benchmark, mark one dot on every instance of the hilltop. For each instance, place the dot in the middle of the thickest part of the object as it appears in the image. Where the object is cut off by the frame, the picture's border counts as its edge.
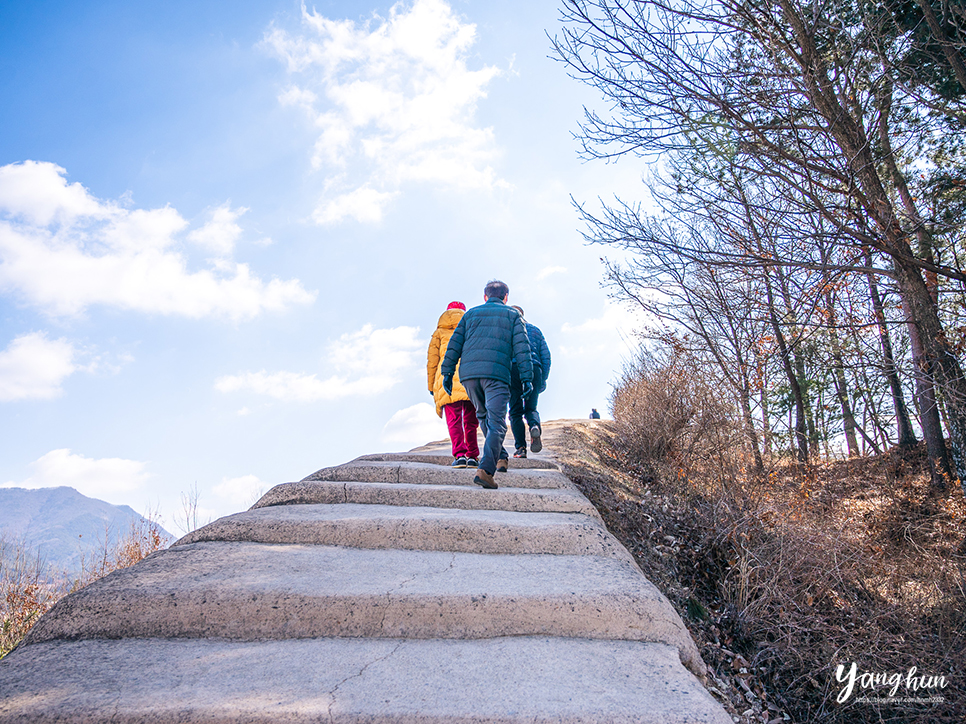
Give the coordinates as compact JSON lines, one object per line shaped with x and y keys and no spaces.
{"x":61,"y":525}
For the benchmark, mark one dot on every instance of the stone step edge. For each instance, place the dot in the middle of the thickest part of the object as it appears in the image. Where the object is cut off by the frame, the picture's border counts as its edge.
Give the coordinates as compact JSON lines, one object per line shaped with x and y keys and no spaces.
{"x":554,"y":500}
{"x":424,"y":474}
{"x":435,"y":459}
{"x":357,"y":525}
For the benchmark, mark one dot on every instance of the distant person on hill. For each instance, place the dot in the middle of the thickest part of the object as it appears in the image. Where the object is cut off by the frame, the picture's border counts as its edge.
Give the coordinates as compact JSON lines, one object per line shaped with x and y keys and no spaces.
{"x":594,"y":415}
{"x":525,"y":406}
{"x":487,"y":341}
{"x":460,"y":413}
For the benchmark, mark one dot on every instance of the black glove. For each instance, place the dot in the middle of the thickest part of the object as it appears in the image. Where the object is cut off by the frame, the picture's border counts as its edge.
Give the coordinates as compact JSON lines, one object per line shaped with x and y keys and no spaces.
{"x":448,"y":384}
{"x":527,"y":389}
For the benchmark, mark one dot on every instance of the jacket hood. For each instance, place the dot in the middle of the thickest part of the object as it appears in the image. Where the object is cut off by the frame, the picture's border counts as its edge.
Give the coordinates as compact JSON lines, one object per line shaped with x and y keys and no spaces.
{"x":450,"y":318}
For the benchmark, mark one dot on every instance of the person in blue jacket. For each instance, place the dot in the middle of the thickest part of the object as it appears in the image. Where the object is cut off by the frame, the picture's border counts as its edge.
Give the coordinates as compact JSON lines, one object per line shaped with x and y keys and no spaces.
{"x":525,"y":406}
{"x":487,"y":342}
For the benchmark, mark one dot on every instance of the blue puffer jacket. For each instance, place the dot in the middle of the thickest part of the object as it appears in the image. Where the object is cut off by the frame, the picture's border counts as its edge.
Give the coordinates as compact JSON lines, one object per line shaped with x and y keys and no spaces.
{"x":486,"y":342}
{"x":539,"y":351}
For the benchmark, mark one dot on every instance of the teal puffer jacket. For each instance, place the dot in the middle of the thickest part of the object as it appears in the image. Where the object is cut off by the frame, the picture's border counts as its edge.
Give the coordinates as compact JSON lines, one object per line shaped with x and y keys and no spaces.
{"x":486,"y":342}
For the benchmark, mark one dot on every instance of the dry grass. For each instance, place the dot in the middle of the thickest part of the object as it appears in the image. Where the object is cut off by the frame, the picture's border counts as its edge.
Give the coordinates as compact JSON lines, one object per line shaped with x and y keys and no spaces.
{"x":28,"y":590}
{"x":26,"y":593}
{"x":143,"y":538}
{"x":782,"y":577}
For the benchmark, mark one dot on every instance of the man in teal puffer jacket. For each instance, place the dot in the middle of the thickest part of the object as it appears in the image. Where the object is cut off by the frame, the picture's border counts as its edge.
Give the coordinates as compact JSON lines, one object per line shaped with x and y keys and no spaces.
{"x":486,"y":342}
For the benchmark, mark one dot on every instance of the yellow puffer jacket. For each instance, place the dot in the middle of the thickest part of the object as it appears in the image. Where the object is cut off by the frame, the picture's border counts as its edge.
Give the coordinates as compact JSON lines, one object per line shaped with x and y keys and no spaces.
{"x":434,"y":358}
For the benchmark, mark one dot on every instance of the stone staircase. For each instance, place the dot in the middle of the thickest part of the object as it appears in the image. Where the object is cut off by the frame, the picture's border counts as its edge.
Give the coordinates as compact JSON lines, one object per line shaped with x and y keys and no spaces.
{"x":388,"y":589}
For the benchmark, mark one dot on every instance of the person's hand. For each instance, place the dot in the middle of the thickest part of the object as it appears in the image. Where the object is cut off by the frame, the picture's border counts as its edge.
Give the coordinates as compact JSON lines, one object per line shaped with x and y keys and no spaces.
{"x":527,"y":389}
{"x":448,"y":384}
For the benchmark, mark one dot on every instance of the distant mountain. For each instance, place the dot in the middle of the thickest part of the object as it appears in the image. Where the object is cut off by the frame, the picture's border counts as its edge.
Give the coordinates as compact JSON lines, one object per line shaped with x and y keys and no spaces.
{"x":61,"y":525}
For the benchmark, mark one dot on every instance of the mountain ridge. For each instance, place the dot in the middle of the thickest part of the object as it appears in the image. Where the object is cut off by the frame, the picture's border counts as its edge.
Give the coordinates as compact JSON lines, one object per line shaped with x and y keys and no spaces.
{"x":61,"y":525}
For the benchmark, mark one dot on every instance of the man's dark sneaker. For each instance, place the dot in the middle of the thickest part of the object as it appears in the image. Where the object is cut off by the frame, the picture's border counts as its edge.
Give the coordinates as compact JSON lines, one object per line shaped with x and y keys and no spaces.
{"x":520,"y":453}
{"x":472,"y":463}
{"x":459,"y":462}
{"x":484,"y":479}
{"x":502,"y":464}
{"x":535,"y":443}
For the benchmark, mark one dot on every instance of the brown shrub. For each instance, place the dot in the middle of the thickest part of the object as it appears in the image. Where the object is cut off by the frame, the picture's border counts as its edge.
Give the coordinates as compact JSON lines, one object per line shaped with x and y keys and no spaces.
{"x":143,"y":538}
{"x":667,"y":413}
{"x":28,"y":590}
{"x":26,"y":593}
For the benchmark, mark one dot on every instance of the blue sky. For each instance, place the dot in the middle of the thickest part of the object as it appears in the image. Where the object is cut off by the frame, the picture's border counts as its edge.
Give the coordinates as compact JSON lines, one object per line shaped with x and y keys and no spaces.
{"x":227,"y":230}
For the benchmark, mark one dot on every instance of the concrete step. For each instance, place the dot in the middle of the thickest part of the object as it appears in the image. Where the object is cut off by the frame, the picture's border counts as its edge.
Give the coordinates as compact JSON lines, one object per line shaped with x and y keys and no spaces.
{"x":416,"y":528}
{"x":256,"y":591}
{"x":352,"y":681}
{"x":523,"y":500}
{"x":443,"y":458}
{"x":427,"y":474}
{"x":389,"y":589}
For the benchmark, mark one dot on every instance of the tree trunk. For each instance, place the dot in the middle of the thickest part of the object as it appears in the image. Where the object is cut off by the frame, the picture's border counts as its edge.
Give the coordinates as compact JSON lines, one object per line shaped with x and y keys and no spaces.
{"x":949,"y":49}
{"x":762,"y":382}
{"x":744,"y":395}
{"x":765,"y":422}
{"x":926,"y":371}
{"x":841,"y":384}
{"x":842,"y":391}
{"x":750,"y":429}
{"x":936,"y":361}
{"x":904,"y":431}
{"x":801,"y":432}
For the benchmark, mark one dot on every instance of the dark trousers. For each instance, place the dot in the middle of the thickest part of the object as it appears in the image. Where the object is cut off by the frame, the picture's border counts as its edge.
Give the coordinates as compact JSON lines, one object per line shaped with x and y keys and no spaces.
{"x":490,"y":398}
{"x":524,"y":407}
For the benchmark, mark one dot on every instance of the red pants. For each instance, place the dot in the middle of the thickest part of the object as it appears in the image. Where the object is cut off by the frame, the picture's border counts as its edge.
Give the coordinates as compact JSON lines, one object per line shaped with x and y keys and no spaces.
{"x":462,"y":424}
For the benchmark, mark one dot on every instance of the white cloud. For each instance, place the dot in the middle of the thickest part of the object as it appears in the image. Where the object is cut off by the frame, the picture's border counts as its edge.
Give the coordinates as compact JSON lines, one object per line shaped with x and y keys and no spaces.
{"x":221,"y":233}
{"x":615,"y":317}
{"x":366,"y":362}
{"x":104,"y":478}
{"x":63,"y":250}
{"x":392,"y":96}
{"x":244,"y":490}
{"x":595,"y":338}
{"x":295,"y":96}
{"x":33,"y":367}
{"x":416,"y":425}
{"x":290,"y":386}
{"x":364,"y":204}
{"x":380,"y":354}
{"x":39,"y":194}
{"x":105,"y":363}
{"x":547,"y":271}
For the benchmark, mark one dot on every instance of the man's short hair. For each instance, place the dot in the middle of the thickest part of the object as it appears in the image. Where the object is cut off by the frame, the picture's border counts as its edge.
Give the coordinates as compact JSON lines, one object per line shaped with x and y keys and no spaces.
{"x":495,"y":288}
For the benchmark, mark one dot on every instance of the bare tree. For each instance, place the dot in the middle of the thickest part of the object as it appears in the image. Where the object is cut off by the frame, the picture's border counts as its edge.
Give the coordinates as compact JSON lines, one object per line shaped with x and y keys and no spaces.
{"x":800,"y":96}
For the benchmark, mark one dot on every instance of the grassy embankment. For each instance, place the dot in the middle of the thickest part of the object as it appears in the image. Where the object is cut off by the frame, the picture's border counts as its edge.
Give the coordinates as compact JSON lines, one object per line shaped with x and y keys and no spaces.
{"x":783,"y":576}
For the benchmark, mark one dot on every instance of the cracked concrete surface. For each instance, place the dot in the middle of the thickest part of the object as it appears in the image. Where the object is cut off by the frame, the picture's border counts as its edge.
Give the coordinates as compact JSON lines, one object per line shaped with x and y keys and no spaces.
{"x":349,"y":680}
{"x":389,"y":589}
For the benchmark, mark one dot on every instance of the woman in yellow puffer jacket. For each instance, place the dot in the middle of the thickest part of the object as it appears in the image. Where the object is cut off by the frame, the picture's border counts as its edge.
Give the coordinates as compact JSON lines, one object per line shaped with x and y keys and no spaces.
{"x":460,"y":413}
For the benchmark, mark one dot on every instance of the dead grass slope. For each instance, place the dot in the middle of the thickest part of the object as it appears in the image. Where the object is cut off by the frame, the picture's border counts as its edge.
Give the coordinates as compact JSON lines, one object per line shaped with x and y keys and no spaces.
{"x":783,"y":578}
